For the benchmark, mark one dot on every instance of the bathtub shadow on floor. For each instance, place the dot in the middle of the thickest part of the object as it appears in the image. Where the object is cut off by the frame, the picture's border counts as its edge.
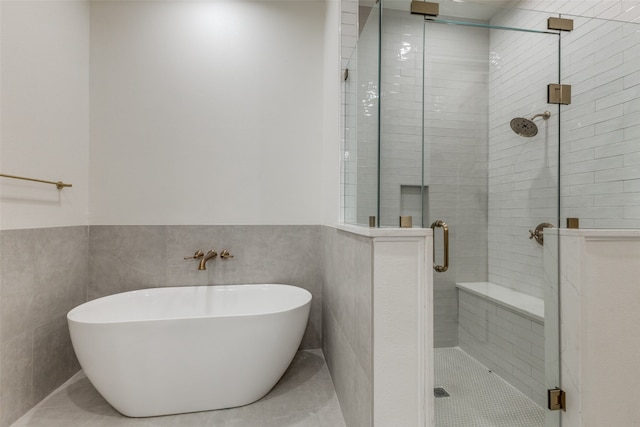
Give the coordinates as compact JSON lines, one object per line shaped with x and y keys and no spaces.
{"x":304,"y":396}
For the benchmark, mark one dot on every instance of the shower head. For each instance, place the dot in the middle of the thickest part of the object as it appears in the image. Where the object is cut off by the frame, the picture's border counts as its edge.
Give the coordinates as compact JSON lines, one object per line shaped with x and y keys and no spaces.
{"x":526,"y":127}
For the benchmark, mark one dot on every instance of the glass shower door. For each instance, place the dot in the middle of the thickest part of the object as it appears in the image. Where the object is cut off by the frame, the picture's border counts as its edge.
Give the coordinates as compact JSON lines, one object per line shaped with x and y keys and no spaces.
{"x":491,"y":184}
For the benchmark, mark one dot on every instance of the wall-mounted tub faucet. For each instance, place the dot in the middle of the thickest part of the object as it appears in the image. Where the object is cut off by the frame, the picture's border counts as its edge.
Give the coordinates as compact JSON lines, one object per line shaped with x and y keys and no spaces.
{"x":203,"y":261}
{"x":203,"y":258}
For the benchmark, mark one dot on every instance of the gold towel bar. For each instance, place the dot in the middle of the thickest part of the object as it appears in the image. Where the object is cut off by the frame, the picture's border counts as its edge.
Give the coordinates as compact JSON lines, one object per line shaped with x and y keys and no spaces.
{"x":59,"y":185}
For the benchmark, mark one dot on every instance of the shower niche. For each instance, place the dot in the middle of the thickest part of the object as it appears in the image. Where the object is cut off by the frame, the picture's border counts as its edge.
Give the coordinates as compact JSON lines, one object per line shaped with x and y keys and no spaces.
{"x":414,"y":202}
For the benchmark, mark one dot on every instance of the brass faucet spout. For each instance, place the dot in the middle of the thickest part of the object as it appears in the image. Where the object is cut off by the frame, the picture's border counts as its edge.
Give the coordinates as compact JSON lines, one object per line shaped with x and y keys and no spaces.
{"x":203,"y":261}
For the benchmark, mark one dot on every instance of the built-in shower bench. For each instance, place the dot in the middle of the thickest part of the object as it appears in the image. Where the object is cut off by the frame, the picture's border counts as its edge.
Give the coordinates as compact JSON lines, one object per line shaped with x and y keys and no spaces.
{"x":504,"y":330}
{"x":528,"y":306}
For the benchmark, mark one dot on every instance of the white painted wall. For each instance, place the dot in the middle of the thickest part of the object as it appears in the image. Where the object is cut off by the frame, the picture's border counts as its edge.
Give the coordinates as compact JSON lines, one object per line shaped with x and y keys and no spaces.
{"x":44,"y":112}
{"x":207,"y":112}
{"x":201,"y":112}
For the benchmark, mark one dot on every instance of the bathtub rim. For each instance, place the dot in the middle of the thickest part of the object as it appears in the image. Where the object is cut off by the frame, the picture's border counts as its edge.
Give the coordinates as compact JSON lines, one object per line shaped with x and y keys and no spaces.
{"x":74,"y":314}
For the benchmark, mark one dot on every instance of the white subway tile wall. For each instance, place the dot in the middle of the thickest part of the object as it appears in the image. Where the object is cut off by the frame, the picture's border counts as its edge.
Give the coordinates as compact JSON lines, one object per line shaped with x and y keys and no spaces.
{"x":367,"y":98}
{"x":601,"y":128}
{"x":349,"y":150}
{"x":523,"y":175}
{"x":360,"y":117}
{"x":348,"y":29}
{"x":401,"y":61}
{"x":600,"y":133}
{"x":348,"y":26}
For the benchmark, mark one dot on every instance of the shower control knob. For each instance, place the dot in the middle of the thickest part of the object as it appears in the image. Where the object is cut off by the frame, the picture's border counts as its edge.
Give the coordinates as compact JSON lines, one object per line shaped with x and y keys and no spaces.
{"x":538,"y":234}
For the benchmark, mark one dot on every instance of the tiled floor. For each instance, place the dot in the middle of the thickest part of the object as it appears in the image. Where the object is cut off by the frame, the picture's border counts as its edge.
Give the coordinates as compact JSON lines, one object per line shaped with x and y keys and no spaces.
{"x":479,"y":398}
{"x":304,"y":397}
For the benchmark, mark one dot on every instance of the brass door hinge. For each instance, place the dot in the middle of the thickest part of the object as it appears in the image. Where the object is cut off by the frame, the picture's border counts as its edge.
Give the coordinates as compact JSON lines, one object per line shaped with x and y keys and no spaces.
{"x":557,"y":399}
{"x":561,"y":24}
{"x":559,"y":94}
{"x":426,"y":8}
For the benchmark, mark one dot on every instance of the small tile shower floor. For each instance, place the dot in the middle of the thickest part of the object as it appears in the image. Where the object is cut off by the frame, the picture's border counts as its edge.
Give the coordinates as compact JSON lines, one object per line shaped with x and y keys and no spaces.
{"x":479,"y":398}
{"x":304,"y":397}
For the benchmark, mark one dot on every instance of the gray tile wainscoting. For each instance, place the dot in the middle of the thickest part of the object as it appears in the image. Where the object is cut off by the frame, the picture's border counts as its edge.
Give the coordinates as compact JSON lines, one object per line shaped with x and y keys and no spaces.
{"x":46,"y":272}
{"x":43,"y":274}
{"x":347,"y":321}
{"x":126,"y":257}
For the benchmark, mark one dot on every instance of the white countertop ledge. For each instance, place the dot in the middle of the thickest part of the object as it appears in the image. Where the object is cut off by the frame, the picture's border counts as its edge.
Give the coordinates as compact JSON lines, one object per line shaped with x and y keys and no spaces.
{"x":526,"y":305}
{"x":384,"y":232}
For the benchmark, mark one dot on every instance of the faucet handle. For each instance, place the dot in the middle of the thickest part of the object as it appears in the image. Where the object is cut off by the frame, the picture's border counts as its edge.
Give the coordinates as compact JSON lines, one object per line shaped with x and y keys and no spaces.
{"x":199,"y":254}
{"x":225,"y":254}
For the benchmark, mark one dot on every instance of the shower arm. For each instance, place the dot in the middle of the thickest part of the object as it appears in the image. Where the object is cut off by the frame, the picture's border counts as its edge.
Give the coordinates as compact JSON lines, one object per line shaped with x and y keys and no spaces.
{"x":544,"y":115}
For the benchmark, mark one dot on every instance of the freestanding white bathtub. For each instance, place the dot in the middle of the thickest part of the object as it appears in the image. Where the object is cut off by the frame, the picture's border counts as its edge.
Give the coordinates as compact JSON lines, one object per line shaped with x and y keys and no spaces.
{"x":174,"y":350}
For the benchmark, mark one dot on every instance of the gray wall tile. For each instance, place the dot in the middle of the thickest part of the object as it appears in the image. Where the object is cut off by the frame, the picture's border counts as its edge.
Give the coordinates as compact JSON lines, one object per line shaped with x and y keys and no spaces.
{"x":54,"y":360}
{"x":61,"y":272}
{"x":16,"y":281}
{"x":44,"y":273}
{"x":347,"y":321}
{"x":125,"y":258}
{"x":16,"y":389}
{"x":354,"y":386}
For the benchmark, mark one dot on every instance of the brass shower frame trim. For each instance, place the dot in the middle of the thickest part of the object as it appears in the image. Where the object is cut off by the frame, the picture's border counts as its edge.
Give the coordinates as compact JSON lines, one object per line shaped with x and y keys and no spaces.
{"x":59,"y":184}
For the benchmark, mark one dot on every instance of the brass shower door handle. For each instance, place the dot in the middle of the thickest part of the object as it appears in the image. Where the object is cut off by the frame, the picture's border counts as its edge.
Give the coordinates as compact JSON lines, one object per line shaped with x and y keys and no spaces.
{"x":445,"y":237}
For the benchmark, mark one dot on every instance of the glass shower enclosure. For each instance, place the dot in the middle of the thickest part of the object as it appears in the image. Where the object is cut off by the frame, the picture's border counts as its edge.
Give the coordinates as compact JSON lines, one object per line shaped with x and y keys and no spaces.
{"x":451,"y":118}
{"x":429,"y":104}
